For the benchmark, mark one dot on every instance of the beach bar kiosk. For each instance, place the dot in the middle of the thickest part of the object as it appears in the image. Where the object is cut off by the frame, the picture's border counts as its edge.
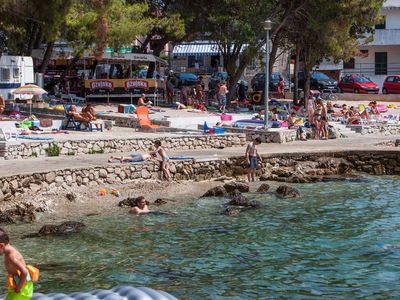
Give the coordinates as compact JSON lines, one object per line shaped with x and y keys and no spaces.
{"x":115,"y":78}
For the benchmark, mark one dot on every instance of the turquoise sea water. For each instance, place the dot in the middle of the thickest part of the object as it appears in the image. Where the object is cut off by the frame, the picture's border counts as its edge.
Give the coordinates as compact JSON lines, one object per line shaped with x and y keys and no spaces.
{"x":340,"y":240}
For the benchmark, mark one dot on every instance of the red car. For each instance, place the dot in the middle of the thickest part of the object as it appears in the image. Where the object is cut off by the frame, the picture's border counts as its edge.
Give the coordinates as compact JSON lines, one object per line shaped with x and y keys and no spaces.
{"x":391,"y":85}
{"x":357,"y":84}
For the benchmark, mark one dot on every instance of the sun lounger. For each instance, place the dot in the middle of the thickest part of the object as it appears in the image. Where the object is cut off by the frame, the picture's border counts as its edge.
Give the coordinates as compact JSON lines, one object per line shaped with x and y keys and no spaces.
{"x":144,"y":119}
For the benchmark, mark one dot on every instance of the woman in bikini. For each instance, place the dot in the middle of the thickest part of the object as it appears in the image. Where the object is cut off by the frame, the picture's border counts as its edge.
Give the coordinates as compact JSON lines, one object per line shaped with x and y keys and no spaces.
{"x":310,"y":110}
{"x":317,"y":117}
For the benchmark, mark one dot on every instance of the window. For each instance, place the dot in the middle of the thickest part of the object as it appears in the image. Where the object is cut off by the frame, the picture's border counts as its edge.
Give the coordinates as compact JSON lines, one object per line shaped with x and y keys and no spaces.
{"x":350,"y":64}
{"x":381,"y":25}
{"x":16,"y":72}
{"x":380,"y":63}
{"x":5,"y":74}
{"x":390,"y":79}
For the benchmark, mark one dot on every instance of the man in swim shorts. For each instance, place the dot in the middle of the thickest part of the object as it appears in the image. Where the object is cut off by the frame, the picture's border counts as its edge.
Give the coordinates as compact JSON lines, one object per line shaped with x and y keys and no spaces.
{"x":16,"y":267}
{"x":251,"y":158}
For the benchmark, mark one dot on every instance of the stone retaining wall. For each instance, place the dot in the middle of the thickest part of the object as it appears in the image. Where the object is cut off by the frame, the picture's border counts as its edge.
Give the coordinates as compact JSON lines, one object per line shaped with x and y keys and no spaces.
{"x":375,"y":162}
{"x":189,"y":142}
{"x":383,"y":129}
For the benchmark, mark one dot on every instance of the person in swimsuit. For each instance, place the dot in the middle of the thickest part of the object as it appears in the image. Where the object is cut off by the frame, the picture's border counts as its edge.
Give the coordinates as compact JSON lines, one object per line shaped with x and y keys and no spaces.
{"x":16,"y":267}
{"x":141,"y":207}
{"x":310,"y":110}
{"x":164,"y":159}
{"x":293,"y":121}
{"x":2,"y":105}
{"x":317,"y":120}
{"x":251,"y":158}
{"x":324,"y":120}
{"x":135,"y":157}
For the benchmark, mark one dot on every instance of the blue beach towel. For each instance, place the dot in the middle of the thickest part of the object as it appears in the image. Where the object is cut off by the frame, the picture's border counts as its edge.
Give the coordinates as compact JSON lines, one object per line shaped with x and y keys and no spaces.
{"x":35,"y":138}
{"x":181,"y":158}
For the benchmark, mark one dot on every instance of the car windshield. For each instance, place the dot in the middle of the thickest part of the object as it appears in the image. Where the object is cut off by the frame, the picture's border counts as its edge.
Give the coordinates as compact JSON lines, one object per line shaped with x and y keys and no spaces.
{"x":362,"y":79}
{"x":318,"y":75}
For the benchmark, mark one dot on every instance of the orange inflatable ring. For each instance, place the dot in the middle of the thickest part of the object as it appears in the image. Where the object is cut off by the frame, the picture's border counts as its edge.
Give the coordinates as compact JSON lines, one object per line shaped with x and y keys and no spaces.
{"x":33,"y":272}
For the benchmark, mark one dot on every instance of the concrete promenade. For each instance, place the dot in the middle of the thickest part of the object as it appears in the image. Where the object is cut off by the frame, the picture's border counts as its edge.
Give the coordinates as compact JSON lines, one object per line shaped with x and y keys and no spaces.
{"x":38,"y":165}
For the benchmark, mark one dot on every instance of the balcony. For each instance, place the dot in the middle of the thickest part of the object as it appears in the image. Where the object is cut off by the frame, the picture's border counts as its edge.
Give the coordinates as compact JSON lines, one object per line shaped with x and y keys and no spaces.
{"x":386,"y":37}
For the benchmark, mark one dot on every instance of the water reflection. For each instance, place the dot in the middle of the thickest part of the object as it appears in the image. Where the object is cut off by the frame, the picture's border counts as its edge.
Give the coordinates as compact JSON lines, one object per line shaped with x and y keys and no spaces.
{"x":340,"y":240}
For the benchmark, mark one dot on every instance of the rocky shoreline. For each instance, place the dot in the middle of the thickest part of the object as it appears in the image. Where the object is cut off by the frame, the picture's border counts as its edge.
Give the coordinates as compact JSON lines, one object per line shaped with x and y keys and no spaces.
{"x":70,"y":193}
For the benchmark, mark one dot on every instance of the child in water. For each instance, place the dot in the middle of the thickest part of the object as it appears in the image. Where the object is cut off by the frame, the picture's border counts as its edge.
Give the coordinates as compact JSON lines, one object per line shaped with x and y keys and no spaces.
{"x":164,"y":159}
{"x":16,"y":267}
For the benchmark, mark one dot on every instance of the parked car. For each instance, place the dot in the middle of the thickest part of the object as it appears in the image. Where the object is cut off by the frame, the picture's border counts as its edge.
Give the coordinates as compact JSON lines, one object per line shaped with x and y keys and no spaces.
{"x":318,"y":81}
{"x":184,"y":79}
{"x":358,"y":84}
{"x":258,"y":82}
{"x":391,"y":85}
{"x":222,"y":76}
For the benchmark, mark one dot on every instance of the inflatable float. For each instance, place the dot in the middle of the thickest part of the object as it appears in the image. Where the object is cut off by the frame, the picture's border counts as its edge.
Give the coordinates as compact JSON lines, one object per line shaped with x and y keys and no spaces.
{"x":117,"y":293}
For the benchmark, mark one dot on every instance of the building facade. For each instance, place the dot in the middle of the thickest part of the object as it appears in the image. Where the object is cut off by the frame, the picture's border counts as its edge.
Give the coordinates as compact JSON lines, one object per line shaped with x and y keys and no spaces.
{"x":381,"y":56}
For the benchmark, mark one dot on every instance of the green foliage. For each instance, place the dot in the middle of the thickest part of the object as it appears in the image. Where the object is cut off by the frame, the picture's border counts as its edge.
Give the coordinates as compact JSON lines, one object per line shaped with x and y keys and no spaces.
{"x":126,"y":21}
{"x":53,"y":150}
{"x":34,"y":154}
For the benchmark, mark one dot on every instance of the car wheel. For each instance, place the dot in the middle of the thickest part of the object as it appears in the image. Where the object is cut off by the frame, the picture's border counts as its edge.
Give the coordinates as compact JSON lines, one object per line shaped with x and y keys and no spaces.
{"x":356,"y":91}
{"x":385,"y":91}
{"x":340,"y":91}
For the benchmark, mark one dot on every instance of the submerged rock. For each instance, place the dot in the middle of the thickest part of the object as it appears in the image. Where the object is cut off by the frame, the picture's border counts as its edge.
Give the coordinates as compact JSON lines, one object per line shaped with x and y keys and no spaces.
{"x":232,"y":211}
{"x":7,"y":218}
{"x":285,"y":191}
{"x":263,"y":188}
{"x":62,"y":229}
{"x":160,"y":201}
{"x":218,"y":191}
{"x":240,"y":200}
{"x":236,"y":185}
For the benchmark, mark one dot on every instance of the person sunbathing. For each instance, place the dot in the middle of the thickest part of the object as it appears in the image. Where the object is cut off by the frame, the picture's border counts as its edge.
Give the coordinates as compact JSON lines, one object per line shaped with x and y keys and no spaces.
{"x":293,"y":121}
{"x":80,"y":117}
{"x":141,"y":207}
{"x":135,"y":157}
{"x":142,"y":101}
{"x":89,"y":112}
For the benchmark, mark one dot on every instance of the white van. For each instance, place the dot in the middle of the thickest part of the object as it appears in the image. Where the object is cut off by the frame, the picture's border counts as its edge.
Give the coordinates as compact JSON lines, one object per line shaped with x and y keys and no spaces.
{"x":15,"y":71}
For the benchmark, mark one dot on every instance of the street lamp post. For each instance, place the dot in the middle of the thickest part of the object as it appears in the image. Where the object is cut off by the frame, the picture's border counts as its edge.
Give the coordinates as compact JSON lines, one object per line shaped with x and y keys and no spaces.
{"x":267,"y":28}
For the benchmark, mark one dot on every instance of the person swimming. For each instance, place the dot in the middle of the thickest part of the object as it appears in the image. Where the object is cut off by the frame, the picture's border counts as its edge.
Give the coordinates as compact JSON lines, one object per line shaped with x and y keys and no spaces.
{"x":141,"y":207}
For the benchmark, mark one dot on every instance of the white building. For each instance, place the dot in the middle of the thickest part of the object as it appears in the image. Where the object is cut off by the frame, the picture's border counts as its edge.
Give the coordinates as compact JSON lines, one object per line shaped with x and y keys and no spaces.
{"x":381,"y":56}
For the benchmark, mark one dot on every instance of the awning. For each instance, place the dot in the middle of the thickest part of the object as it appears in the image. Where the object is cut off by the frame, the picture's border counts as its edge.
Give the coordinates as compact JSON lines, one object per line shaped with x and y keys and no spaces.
{"x":196,"y":49}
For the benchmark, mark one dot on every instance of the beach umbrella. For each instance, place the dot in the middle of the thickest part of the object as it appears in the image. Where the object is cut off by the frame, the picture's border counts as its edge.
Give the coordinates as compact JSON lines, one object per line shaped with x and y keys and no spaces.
{"x":30,"y":89}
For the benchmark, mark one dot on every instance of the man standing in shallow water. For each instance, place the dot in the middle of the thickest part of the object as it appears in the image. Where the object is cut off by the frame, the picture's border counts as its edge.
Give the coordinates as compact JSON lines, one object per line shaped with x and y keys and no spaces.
{"x":251,"y":158}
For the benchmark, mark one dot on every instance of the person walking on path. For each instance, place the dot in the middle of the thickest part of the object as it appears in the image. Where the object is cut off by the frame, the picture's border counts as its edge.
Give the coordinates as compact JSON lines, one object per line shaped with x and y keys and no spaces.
{"x":251,"y":156}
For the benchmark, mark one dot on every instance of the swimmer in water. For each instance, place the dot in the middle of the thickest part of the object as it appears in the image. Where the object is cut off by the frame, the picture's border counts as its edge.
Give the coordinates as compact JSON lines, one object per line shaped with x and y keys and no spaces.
{"x":141,"y":207}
